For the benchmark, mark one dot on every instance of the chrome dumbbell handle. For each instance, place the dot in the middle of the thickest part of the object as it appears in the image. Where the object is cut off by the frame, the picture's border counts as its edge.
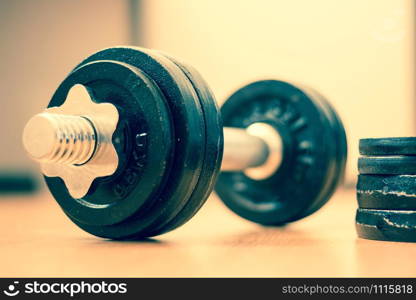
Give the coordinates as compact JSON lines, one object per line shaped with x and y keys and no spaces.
{"x":256,"y":150}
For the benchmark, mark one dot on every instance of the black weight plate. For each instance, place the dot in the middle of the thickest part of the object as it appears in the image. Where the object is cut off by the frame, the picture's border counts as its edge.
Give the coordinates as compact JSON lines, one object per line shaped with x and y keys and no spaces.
{"x":388,"y":146}
{"x":213,"y":149}
{"x":388,"y":165}
{"x":386,"y":225}
{"x":143,"y":162}
{"x":188,"y":124}
{"x":304,"y":180}
{"x":341,"y":150}
{"x":189,"y":128}
{"x":396,"y":192}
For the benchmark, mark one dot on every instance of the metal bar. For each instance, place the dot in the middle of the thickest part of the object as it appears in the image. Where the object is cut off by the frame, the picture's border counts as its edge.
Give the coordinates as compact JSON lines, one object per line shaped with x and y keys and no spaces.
{"x":242,"y":150}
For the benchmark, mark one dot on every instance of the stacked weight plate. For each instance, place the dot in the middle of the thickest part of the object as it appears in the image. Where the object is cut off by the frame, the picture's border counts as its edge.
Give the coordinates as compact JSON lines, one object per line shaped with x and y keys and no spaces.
{"x":386,"y":189}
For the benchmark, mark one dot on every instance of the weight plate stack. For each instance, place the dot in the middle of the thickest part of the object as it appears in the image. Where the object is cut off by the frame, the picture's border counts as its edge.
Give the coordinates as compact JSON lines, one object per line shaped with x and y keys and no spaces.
{"x":386,"y":189}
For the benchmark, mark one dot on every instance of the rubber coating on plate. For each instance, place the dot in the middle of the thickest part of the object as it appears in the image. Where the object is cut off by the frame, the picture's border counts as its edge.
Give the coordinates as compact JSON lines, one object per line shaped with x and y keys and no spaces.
{"x":396,"y":192}
{"x":388,"y":146}
{"x":387,"y":165}
{"x":386,"y":225}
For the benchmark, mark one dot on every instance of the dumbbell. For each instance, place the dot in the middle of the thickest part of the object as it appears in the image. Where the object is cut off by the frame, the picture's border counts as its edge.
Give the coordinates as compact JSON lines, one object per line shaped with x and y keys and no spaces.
{"x":132,"y":142}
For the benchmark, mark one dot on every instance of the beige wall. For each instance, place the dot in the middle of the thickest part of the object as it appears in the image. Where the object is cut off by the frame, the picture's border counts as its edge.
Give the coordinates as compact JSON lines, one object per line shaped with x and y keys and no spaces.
{"x":357,"y":53}
{"x":41,"y":41}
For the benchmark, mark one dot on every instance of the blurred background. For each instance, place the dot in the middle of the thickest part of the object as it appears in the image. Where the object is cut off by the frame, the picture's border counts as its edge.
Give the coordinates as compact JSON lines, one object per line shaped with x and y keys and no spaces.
{"x":359,"y":54}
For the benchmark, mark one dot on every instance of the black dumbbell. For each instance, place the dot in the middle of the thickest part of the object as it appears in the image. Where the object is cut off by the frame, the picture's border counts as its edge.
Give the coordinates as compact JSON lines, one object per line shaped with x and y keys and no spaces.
{"x":132,"y":142}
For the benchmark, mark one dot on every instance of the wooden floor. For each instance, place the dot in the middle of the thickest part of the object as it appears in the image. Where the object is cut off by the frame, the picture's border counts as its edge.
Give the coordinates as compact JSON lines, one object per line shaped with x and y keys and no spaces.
{"x":36,"y":239}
